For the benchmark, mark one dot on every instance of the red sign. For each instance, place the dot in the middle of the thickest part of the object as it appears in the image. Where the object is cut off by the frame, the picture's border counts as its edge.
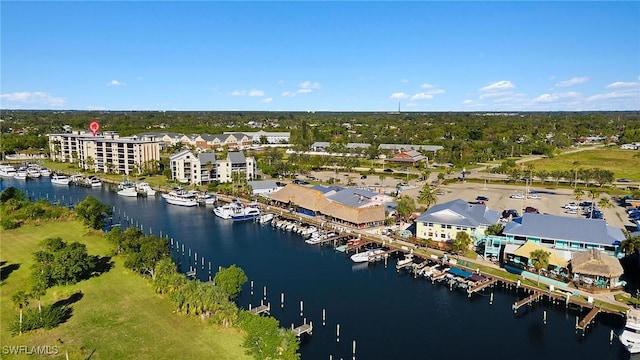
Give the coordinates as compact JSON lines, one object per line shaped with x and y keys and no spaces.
{"x":94,"y":126}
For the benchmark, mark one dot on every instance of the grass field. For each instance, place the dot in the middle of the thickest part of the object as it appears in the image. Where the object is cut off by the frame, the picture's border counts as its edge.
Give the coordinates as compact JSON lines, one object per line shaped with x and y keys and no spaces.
{"x":623,"y":163}
{"x":118,"y":315}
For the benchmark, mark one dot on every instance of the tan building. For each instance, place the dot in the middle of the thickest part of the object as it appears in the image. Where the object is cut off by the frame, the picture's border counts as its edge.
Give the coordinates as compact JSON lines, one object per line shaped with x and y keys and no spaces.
{"x":106,"y":153}
{"x":186,"y":167}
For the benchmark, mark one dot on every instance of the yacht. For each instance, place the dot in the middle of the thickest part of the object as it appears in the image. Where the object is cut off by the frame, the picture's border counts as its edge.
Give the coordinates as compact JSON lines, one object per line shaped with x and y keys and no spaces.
{"x":93,"y":181}
{"x":33,"y":172}
{"x":45,"y":172}
{"x":21,"y":174}
{"x":60,"y":179}
{"x":129,"y":191}
{"x":7,"y":171}
{"x":181,"y":198}
{"x":365,"y":255}
{"x":247,"y":213}
{"x":207,"y":199}
{"x":265,"y":218}
{"x":630,"y":337}
{"x":225,"y":211}
{"x":145,"y":188}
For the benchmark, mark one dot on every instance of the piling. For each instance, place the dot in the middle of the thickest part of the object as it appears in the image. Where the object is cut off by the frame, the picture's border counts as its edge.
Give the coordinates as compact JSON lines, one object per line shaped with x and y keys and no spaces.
{"x":324,"y":316}
{"x":611,"y":337}
{"x":353,"y":348}
{"x":301,"y":307}
{"x":264,"y":293}
{"x":337,"y":332}
{"x":282,"y":300}
{"x":544,"y":317}
{"x":491,"y":299}
{"x":251,"y":287}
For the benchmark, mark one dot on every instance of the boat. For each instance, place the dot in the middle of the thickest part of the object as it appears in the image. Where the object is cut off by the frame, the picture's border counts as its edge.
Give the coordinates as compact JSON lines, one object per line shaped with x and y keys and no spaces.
{"x":93,"y":181}
{"x":225,"y":211}
{"x":60,"y":179}
{"x":129,"y":191}
{"x":365,"y":255}
{"x":33,"y":172}
{"x":145,"y":189}
{"x":265,"y":218}
{"x":246,"y":213}
{"x":45,"y":172}
{"x":181,"y":198}
{"x":630,"y":337}
{"x":21,"y":174}
{"x":207,"y":199}
{"x":7,"y":171}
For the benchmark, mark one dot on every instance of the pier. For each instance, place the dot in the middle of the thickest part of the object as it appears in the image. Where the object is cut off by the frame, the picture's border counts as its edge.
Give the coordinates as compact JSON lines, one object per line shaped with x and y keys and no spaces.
{"x":535,"y":296}
{"x":481,"y":285}
{"x":262,"y":309}
{"x":303,"y":329}
{"x":584,"y":323}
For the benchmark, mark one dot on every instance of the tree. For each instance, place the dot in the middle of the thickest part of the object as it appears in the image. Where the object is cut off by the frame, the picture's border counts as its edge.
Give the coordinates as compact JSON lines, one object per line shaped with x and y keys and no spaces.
{"x":12,"y":193}
{"x":427,"y":196}
{"x":540,"y":260}
{"x":604,"y":203}
{"x":578,"y":193}
{"x":630,"y":245}
{"x":265,"y":340}
{"x":20,"y":299}
{"x":406,"y":206}
{"x":93,"y":212}
{"x":461,"y":242}
{"x":230,"y":280}
{"x":494,"y":229}
{"x":143,"y":256}
{"x":90,"y":162}
{"x":593,"y":194}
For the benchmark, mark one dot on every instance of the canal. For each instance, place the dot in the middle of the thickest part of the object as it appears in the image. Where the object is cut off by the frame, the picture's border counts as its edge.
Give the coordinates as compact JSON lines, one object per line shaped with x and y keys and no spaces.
{"x":387,"y":314}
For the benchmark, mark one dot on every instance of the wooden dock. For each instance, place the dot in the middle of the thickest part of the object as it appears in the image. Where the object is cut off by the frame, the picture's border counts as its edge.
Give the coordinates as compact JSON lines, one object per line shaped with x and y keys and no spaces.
{"x":262,"y":309}
{"x":303,"y":329}
{"x":535,"y":296}
{"x":357,"y":245}
{"x":481,"y":285}
{"x":582,"y":325}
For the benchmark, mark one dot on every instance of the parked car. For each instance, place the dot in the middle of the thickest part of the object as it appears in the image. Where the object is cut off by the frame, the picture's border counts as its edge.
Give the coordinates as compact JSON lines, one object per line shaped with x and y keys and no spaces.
{"x":300,"y":182}
{"x":482,"y":198}
{"x":517,"y":196}
{"x":439,"y":192}
{"x":510,"y":213}
{"x":534,"y":196}
{"x":623,"y":180}
{"x":363,"y":176}
{"x":388,"y":170}
{"x":531,"y":209}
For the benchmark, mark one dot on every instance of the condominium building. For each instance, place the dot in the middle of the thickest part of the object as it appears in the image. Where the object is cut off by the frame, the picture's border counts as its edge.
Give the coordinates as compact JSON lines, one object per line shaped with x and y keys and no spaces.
{"x":186,"y":167}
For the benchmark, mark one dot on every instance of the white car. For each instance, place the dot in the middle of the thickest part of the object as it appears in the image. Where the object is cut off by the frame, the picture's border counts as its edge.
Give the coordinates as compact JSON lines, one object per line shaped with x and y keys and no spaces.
{"x":517,"y":196}
{"x":571,"y":206}
{"x":534,"y":196}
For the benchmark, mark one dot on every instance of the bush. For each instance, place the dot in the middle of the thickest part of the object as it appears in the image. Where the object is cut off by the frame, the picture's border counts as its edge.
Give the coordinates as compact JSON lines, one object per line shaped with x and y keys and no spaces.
{"x":32,"y":319}
{"x":9,"y":223}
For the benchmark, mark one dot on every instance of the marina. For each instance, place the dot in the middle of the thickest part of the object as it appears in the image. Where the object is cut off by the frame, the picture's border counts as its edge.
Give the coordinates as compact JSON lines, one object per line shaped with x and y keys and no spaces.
{"x":351,"y":292}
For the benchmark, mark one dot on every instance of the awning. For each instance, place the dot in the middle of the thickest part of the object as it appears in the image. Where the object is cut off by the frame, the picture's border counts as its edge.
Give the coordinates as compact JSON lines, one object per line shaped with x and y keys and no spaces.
{"x":529,"y":247}
{"x":459,"y":272}
{"x":476,"y":278}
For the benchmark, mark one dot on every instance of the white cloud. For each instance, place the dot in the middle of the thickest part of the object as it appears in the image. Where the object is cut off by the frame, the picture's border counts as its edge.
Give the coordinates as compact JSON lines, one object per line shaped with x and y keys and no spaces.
{"x":239,"y":93}
{"x":399,"y":95}
{"x":549,"y":98}
{"x":498,"y":86}
{"x":468,"y":102}
{"x":115,"y":83}
{"x":573,"y":81}
{"x":288,"y":94}
{"x":421,"y":96}
{"x":256,"y":93}
{"x":138,"y":77}
{"x":426,"y":86}
{"x":307,"y":87}
{"x":32,"y":98}
{"x":266,"y":101}
{"x":615,"y":95}
{"x":622,"y":84}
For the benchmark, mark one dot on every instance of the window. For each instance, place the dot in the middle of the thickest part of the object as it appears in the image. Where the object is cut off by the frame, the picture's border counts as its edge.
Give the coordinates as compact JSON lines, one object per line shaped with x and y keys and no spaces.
{"x":444,"y":236}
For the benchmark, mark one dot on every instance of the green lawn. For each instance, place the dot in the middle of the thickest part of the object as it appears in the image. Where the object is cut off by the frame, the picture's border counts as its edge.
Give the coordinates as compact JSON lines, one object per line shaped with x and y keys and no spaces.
{"x":118,"y":316}
{"x":623,"y":163}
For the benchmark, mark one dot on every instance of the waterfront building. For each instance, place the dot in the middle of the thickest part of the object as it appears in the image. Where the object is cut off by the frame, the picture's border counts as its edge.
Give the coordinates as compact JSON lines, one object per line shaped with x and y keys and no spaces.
{"x":443,"y":221}
{"x":564,"y":233}
{"x":593,"y":270}
{"x":263,"y":187}
{"x":108,"y":153}
{"x":203,"y":168}
{"x":313,"y":202}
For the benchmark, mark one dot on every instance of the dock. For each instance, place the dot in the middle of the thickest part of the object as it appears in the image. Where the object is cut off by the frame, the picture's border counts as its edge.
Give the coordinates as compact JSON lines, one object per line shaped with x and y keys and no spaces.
{"x":303,"y":329}
{"x":584,"y":323}
{"x":262,"y":309}
{"x":535,"y":296}
{"x":481,"y":285}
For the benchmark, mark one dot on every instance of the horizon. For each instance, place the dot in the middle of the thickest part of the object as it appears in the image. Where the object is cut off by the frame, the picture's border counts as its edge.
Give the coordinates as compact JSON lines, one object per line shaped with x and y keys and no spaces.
{"x":349,"y":57}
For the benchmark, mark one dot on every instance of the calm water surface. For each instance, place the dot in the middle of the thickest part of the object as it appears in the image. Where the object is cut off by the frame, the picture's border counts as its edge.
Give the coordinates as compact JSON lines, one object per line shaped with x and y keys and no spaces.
{"x":388,"y":314}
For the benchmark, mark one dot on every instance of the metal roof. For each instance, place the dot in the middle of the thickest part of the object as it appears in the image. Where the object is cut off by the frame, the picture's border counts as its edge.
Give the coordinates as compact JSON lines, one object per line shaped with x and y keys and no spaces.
{"x":593,"y":231}
{"x":263,"y":184}
{"x":237,"y":157}
{"x":460,"y":212}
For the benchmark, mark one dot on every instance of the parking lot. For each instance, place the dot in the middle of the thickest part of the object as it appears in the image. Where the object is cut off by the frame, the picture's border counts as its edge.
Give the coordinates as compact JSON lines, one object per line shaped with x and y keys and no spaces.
{"x":550,"y":200}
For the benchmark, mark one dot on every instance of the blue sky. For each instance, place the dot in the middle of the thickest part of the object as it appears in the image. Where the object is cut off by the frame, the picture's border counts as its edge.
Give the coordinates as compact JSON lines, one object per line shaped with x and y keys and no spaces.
{"x":320,"y":56}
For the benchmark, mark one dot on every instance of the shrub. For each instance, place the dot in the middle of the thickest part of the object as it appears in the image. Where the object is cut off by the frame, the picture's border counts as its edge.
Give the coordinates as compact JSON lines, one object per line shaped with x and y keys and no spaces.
{"x":32,"y":319}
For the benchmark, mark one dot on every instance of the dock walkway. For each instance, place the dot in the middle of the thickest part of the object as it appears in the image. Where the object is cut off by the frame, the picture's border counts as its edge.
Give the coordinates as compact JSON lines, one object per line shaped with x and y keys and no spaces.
{"x":535,"y":296}
{"x":303,"y":329}
{"x":584,"y":323}
{"x":266,"y":309}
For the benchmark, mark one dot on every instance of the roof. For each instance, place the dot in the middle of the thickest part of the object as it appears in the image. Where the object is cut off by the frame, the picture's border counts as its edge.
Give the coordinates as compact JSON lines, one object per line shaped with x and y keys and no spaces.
{"x":357,"y":145}
{"x":322,"y":144}
{"x":460,"y":212}
{"x":262,"y":184}
{"x":206,"y":157}
{"x":596,"y":263}
{"x":351,"y":198}
{"x":314,"y":200}
{"x":180,"y":154}
{"x":593,"y":231}
{"x":236,"y":157}
{"x":554,"y":258}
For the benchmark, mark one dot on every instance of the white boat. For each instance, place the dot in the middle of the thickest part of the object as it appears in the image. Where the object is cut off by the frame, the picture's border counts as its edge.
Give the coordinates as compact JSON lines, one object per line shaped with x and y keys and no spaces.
{"x":33,"y":173}
{"x":60,"y":179}
{"x":265,"y":218}
{"x":181,"y":198}
{"x":225,"y":211}
{"x":21,"y":174}
{"x":145,"y":188}
{"x":45,"y":172}
{"x":93,"y":181}
{"x":365,"y":255}
{"x":247,"y":213}
{"x":630,"y":337}
{"x":129,"y":191}
{"x":207,"y":199}
{"x":7,"y":171}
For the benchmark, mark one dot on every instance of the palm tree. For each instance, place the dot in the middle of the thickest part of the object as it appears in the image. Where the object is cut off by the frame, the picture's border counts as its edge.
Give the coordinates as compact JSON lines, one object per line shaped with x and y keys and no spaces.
{"x":630,"y":245}
{"x":604,"y":203}
{"x":578,"y":194}
{"x":593,"y":194}
{"x":20,"y":299}
{"x":427,"y":196}
{"x":540,"y":260}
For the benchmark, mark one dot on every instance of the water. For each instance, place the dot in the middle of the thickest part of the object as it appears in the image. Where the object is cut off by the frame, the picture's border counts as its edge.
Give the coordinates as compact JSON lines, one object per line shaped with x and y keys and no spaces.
{"x":388,"y":314}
